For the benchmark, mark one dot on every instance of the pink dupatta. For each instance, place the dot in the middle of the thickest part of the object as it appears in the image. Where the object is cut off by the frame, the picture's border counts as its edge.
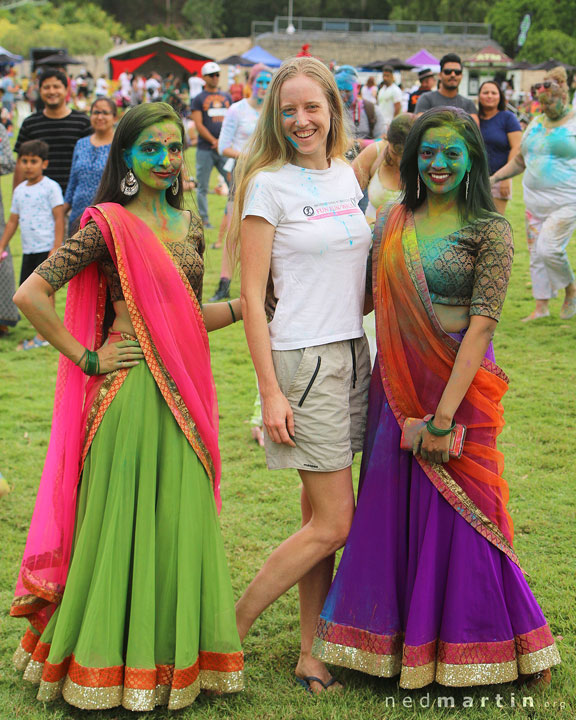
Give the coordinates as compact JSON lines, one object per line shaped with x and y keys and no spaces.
{"x":169,"y":325}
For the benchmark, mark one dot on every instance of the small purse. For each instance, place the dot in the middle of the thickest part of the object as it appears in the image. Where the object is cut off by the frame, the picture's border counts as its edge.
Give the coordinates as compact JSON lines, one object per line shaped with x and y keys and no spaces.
{"x":412,"y":427}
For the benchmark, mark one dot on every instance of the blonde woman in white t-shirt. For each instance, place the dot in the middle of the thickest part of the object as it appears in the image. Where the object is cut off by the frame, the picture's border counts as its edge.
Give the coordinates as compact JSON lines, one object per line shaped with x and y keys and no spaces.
{"x":297,"y":222}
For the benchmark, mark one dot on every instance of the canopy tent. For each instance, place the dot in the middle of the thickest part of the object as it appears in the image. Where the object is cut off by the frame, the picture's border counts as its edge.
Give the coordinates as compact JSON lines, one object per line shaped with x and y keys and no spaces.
{"x":237,"y":60}
{"x":7,"y":57}
{"x":394,"y":62}
{"x":58,"y":59}
{"x":423,"y":59}
{"x":156,"y":54}
{"x":259,"y":55}
{"x":490,"y":57}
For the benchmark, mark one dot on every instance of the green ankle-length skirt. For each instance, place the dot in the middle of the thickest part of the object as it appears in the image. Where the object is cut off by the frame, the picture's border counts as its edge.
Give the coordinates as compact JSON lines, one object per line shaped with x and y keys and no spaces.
{"x":147,"y":616}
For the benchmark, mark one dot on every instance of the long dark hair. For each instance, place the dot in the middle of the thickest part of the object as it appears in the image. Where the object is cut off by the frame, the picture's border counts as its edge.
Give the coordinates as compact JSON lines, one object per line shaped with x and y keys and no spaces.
{"x":501,"y":102}
{"x":479,"y":202}
{"x":130,"y":126}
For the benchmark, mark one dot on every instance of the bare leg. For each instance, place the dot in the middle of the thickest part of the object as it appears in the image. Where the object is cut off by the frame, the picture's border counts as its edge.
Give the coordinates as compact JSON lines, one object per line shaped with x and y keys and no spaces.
{"x":313,"y":589}
{"x":331,"y":506}
{"x":541,"y":310}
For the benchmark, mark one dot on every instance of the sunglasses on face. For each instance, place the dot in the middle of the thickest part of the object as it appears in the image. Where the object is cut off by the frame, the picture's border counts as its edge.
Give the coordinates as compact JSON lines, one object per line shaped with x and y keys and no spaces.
{"x":452,"y":72}
{"x":544,"y":85}
{"x":213,"y":75}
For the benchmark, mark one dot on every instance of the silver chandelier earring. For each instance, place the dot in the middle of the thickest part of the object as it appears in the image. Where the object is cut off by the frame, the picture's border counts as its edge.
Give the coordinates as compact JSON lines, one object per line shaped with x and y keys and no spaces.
{"x":129,"y":185}
{"x":175,"y":186}
{"x":418,"y":187}
{"x":467,"y":183}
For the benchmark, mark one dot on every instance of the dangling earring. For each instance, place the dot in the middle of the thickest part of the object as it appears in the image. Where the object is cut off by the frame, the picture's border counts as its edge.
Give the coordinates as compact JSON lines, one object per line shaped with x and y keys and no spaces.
{"x":467,"y":183}
{"x":175,"y":186}
{"x":418,"y":187}
{"x":129,"y":185}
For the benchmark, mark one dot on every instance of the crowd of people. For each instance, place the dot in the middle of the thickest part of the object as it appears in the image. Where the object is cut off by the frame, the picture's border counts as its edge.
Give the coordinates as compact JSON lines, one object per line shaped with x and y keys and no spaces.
{"x":340,"y":205}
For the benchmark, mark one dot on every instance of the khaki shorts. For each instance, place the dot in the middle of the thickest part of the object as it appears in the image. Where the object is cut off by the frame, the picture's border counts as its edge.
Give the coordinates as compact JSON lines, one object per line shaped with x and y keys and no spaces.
{"x":327,"y":388}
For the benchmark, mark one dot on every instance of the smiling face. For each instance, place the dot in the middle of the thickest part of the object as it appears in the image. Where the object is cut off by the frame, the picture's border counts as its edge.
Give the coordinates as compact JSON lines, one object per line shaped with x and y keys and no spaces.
{"x":489,"y":96}
{"x":443,"y":159}
{"x":101,"y":117}
{"x":53,"y":93}
{"x":156,"y":156}
{"x":305,"y":119}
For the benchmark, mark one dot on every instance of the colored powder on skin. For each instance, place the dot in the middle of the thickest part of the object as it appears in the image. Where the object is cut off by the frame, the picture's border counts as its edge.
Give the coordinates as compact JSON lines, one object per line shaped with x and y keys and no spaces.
{"x":292,"y":141}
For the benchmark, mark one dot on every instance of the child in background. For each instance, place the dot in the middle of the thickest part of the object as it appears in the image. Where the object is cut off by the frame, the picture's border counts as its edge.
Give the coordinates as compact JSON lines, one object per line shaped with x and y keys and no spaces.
{"x":38,"y":206}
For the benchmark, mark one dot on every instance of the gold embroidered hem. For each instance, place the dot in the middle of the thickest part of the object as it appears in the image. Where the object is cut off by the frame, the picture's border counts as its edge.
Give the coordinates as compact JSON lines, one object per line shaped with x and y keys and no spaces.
{"x":540,"y":660}
{"x":451,"y":664}
{"x":356,"y":659}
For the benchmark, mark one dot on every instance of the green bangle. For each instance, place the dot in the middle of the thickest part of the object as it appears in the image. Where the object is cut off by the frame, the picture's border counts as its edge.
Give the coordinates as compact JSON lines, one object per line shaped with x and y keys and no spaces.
{"x":82,"y":358}
{"x":231,"y":311}
{"x":92,"y":364}
{"x":439,"y":432}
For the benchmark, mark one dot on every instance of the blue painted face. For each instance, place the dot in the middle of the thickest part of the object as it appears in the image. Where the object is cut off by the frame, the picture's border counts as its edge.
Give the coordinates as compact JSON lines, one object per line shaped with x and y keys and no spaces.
{"x":443,"y":159}
{"x":156,"y":156}
{"x":260,"y":86}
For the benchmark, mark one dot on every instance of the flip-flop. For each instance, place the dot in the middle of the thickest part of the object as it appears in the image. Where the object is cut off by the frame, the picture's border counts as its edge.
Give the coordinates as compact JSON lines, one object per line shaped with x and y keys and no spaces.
{"x":305,"y":683}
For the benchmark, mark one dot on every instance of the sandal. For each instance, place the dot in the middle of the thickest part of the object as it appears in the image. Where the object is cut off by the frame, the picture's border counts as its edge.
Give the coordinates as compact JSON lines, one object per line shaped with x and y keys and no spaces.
{"x":536,"y":316}
{"x":305,"y":682}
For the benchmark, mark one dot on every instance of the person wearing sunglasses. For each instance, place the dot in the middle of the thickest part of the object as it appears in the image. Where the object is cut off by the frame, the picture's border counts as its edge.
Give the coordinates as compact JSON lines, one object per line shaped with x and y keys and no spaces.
{"x":548,"y":159}
{"x":447,"y":94}
{"x":209,"y":109}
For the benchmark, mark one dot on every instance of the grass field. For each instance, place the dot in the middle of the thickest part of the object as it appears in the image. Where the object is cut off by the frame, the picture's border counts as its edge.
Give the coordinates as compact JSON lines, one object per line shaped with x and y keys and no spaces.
{"x":261,"y":508}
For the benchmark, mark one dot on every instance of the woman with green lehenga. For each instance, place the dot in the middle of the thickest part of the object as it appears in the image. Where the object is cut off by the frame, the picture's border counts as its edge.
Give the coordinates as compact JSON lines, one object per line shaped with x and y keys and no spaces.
{"x":124,"y":578}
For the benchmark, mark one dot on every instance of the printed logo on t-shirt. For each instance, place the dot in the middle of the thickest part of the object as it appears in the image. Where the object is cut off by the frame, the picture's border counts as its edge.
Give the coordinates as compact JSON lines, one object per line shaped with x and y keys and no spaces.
{"x":331,"y":209}
{"x":216,"y":107}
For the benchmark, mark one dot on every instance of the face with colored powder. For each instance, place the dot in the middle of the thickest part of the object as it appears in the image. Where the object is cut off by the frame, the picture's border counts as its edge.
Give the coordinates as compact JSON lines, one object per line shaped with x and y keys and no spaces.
{"x":156,"y":156}
{"x":552,"y":101}
{"x":260,"y":86}
{"x":443,"y":159}
{"x":305,"y":117}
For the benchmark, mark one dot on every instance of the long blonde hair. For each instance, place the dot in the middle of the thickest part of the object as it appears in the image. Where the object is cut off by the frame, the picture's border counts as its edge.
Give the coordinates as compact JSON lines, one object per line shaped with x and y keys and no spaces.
{"x":269,"y":148}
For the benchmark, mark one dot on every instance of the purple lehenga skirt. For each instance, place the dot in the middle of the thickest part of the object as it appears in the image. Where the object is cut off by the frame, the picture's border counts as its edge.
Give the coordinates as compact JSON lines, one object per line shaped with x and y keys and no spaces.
{"x":419,"y":592}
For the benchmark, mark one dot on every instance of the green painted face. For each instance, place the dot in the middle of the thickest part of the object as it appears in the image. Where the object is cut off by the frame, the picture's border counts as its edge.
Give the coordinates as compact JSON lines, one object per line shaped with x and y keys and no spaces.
{"x":156,"y":156}
{"x":443,"y":160}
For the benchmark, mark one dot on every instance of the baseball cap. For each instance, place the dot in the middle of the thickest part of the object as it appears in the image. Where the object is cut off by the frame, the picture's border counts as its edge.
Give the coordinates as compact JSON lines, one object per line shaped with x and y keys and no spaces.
{"x":209,"y":68}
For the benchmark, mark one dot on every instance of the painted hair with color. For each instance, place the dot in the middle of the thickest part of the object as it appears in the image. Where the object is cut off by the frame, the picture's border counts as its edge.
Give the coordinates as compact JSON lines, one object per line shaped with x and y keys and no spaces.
{"x":269,"y":148}
{"x":133,"y":122}
{"x":479,"y":202}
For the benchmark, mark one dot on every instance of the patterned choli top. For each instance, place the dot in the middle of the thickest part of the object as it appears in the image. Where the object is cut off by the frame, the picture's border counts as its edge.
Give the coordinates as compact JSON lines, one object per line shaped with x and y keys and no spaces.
{"x":88,"y":246}
{"x":471,"y":266}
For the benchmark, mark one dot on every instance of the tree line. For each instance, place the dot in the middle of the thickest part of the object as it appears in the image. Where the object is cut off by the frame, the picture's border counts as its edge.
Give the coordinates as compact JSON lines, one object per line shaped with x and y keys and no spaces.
{"x":92,"y":27}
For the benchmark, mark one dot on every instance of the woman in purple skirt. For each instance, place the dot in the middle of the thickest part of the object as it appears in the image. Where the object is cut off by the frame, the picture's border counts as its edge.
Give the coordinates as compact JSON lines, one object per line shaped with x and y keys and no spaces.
{"x":429,"y":586}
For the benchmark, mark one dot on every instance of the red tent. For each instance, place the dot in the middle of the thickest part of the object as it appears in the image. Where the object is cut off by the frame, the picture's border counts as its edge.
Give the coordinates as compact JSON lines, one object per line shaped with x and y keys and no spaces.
{"x":158,"y":54}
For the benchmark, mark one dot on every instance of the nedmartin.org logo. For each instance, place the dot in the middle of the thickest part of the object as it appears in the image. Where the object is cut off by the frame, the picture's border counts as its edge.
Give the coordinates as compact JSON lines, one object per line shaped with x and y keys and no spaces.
{"x":471,"y":701}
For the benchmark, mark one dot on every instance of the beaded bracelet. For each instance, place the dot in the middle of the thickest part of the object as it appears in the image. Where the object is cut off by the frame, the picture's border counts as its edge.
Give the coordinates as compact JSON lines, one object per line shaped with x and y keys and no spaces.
{"x":439,"y":432}
{"x":231,"y":311}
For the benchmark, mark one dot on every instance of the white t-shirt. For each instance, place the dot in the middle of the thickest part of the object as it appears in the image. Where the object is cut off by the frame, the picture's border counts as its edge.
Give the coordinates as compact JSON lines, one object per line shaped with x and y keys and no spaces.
{"x":196,"y":85}
{"x":239,"y":124}
{"x":153,"y":88}
{"x":34,"y":204}
{"x":319,"y":252}
{"x":387,"y":97}
{"x":102,"y":87}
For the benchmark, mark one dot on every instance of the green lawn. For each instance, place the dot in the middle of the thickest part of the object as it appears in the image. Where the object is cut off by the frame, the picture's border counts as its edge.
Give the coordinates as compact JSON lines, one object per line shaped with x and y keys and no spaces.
{"x":261,"y":508}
